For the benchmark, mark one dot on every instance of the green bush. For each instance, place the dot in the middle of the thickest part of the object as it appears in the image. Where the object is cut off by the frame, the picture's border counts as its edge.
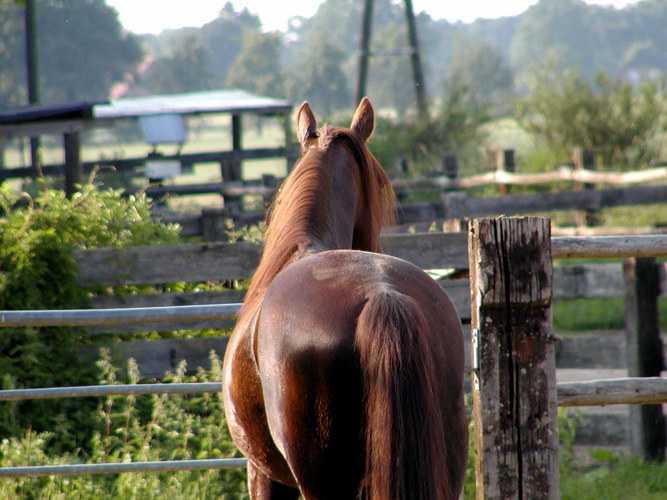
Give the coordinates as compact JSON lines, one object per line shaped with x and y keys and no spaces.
{"x":454,"y":129}
{"x":136,"y":428}
{"x":37,"y":271}
{"x":622,"y":122}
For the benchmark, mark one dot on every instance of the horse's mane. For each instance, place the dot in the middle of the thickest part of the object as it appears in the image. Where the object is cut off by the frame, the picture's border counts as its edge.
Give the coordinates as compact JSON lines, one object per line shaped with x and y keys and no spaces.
{"x":302,"y":202}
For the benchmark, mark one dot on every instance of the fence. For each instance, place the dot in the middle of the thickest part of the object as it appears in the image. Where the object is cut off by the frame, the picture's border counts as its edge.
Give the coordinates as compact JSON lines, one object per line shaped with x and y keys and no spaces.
{"x":523,"y":260}
{"x":454,"y":203}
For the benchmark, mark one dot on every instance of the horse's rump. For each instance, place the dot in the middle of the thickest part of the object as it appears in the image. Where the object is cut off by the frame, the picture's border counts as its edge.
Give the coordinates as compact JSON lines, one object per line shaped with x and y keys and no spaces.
{"x":361,"y":371}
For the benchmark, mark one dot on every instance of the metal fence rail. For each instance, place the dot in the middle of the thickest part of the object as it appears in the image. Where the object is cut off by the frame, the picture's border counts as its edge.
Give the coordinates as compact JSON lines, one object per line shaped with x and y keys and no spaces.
{"x":109,"y":390}
{"x":160,"y":466}
{"x":120,"y":316}
{"x":94,"y":317}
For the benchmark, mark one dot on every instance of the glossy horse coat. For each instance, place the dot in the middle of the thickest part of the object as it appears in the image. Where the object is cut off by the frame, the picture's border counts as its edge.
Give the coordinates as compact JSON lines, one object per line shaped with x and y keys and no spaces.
{"x":343,"y":378}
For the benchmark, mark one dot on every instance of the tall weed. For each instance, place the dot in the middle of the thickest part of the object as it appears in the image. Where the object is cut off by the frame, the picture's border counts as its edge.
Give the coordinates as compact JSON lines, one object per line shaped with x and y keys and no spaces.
{"x":137,"y":428}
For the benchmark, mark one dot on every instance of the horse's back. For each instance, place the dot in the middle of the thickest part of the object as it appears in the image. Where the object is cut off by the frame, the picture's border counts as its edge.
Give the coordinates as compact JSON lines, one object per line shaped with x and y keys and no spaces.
{"x":307,"y":350}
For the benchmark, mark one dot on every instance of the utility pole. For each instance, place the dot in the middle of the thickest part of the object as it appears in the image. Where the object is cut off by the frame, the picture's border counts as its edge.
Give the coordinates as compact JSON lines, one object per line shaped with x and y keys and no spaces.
{"x":413,"y":51}
{"x":33,"y":75}
{"x":364,"y":50}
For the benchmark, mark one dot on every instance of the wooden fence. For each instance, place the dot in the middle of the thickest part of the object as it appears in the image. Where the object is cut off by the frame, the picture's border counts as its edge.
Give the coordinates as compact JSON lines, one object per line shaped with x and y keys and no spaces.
{"x":455,"y":204}
{"x":511,"y":287}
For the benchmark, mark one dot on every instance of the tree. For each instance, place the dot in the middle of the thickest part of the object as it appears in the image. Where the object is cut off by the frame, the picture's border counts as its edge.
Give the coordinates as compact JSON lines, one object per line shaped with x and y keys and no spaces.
{"x":257,"y":67}
{"x":223,"y":37}
{"x":318,"y":77}
{"x":13,"y":74}
{"x":185,"y":70}
{"x":614,"y":118}
{"x":480,"y":68}
{"x":83,"y":50}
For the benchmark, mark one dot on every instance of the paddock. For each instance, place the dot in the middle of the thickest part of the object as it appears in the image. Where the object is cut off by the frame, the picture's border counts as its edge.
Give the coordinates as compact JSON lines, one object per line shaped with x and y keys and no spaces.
{"x":511,"y":284}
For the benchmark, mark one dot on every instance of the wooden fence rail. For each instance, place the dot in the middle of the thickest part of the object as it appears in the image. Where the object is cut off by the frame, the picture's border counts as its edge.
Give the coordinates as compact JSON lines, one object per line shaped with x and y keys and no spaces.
{"x":563,"y":173}
{"x":456,"y":205}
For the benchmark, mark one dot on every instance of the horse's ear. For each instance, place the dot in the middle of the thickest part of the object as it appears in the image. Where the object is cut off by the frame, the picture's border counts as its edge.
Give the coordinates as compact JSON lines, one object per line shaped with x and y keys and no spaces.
{"x":306,"y":125}
{"x":363,"y":121}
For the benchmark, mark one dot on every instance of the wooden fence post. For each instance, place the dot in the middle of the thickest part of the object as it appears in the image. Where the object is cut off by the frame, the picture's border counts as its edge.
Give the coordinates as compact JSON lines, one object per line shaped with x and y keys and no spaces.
{"x":450,"y":167}
{"x":514,"y":382}
{"x":505,"y":163}
{"x":644,"y":352}
{"x":230,"y":170}
{"x":584,"y":159}
{"x":73,"y":166}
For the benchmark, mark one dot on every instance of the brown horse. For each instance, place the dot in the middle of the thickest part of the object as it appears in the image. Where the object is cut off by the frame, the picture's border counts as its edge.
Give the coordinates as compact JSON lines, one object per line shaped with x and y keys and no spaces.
{"x":343,"y":378}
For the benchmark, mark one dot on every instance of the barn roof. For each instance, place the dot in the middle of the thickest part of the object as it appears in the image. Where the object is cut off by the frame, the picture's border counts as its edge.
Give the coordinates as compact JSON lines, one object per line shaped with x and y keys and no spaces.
{"x":213,"y":101}
{"x":53,"y":112}
{"x":64,"y":118}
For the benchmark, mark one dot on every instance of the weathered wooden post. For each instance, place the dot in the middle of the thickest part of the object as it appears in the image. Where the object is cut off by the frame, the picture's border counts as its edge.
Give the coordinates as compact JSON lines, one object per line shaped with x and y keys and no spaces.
{"x":584,"y":159}
{"x":452,"y":201}
{"x":231,"y":169}
{"x":505,"y":163}
{"x":514,"y":382}
{"x":644,"y":352}
{"x":73,"y":166}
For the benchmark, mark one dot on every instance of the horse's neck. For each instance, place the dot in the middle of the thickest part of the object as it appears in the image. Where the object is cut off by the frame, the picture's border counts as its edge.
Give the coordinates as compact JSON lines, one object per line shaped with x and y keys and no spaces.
{"x":330,"y":220}
{"x":324,"y":220}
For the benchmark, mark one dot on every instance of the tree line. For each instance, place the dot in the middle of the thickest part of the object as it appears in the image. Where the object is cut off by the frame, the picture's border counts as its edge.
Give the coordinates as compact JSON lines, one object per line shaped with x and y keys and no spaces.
{"x":473,"y":71}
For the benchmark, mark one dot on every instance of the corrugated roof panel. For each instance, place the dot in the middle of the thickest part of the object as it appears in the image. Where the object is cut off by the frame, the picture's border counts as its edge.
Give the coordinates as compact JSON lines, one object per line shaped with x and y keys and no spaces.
{"x":214,"y":101}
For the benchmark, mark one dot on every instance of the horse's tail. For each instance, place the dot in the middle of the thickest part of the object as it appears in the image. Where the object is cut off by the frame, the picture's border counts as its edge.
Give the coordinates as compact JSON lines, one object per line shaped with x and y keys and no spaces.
{"x":405,"y":442}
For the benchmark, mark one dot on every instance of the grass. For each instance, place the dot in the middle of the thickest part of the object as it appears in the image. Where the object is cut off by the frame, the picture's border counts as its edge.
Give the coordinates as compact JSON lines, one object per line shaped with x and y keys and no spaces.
{"x":616,"y":479}
{"x":597,"y":314}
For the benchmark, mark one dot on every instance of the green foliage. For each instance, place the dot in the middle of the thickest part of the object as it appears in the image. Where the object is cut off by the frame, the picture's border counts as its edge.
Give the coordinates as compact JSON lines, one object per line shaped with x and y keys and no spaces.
{"x":13,"y":91}
{"x":455,"y":129}
{"x":608,"y":476}
{"x":185,"y":69}
{"x":615,"y":119}
{"x":37,"y":271}
{"x":318,"y":77}
{"x":257,"y":67}
{"x":82,"y":50}
{"x":592,"y":37}
{"x":596,"y":314}
{"x":136,"y":428}
{"x":223,"y":37}
{"x":611,"y":477}
{"x":482,"y":69}
{"x":400,"y":94}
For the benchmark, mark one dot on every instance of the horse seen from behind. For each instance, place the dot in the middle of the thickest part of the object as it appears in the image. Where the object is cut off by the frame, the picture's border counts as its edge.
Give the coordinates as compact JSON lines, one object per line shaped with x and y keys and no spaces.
{"x":343,"y":378}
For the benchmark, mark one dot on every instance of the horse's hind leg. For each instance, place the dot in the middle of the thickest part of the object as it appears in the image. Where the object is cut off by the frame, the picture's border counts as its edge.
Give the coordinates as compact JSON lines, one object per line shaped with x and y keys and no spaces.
{"x":264,"y":488}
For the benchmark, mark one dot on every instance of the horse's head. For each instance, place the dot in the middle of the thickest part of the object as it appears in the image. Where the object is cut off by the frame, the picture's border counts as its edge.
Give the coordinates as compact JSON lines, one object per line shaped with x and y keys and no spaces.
{"x":343,"y":152}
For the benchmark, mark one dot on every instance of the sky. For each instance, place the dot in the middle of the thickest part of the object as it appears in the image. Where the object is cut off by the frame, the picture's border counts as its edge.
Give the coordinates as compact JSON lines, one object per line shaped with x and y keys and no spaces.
{"x":152,"y":16}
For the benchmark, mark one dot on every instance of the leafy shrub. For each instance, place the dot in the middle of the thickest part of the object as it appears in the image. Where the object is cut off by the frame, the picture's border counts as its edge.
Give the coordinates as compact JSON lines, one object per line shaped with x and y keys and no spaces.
{"x":137,"y":428}
{"x":455,"y":129}
{"x":37,"y":271}
{"x":619,"y":121}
